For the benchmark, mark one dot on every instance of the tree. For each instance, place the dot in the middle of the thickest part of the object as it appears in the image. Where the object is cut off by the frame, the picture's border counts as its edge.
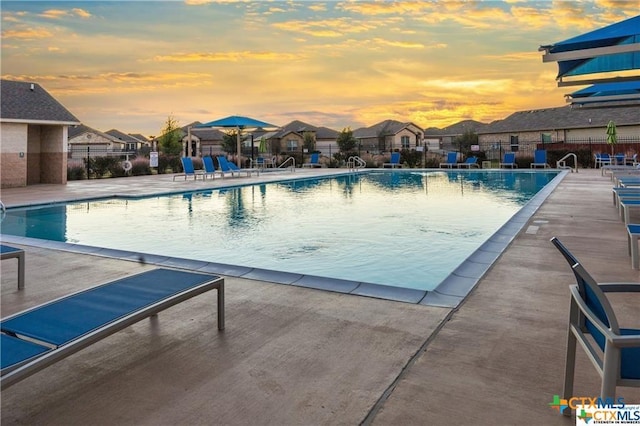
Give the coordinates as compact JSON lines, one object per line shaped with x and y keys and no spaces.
{"x":309,"y":141}
{"x":230,"y":142}
{"x":171,"y":140}
{"x":465,"y":141}
{"x":346,"y":141}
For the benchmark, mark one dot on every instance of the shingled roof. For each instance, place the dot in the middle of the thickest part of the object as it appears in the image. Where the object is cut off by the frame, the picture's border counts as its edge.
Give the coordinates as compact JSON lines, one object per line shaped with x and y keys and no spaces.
{"x":30,"y":103}
{"x":566,"y":117}
{"x":384,"y":128}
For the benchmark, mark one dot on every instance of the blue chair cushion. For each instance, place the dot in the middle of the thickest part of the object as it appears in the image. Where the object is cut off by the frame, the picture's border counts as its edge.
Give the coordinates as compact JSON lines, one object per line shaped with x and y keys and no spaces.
{"x":66,"y":319}
{"x":14,"y":351}
{"x":630,"y":364}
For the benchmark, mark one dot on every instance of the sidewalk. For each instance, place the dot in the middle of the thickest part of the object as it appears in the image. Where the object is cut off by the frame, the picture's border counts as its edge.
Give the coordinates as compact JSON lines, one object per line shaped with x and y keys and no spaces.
{"x":295,"y":356}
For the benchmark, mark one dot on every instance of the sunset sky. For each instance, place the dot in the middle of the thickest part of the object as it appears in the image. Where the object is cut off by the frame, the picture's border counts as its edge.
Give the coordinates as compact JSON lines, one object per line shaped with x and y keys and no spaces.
{"x":129,"y":65}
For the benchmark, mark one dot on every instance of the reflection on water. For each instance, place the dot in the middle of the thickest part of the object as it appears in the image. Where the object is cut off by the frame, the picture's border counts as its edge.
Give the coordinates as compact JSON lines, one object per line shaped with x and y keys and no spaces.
{"x":401,"y":228}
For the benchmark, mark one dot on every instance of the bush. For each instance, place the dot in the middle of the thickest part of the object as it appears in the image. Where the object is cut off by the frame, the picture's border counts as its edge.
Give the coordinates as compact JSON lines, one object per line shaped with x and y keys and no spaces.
{"x":169,"y":162}
{"x":99,"y":166}
{"x":76,"y":172}
{"x":140,"y":167}
{"x":116,"y":169}
{"x":410,"y":157}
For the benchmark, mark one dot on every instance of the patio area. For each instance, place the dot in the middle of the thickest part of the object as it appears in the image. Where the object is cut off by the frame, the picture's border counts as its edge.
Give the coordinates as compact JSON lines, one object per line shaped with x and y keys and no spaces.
{"x":296,"y":356}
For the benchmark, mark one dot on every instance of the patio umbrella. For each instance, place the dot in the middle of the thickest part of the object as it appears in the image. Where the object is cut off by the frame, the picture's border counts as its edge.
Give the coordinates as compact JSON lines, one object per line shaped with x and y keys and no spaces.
{"x":612,"y":138}
{"x":263,"y":145}
{"x":239,"y":123}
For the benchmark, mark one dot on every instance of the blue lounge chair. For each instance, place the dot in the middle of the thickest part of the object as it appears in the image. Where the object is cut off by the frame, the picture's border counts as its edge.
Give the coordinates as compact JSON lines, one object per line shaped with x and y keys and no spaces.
{"x":314,"y":161}
{"x":8,"y":252}
{"x":394,"y":161}
{"x":228,"y":167}
{"x":540,"y":159}
{"x":602,"y":159}
{"x":469,"y":163}
{"x":509,"y":160}
{"x":209,"y":167}
{"x":40,"y":336}
{"x":188,"y":170}
{"x":616,"y":351}
{"x":452,"y":160}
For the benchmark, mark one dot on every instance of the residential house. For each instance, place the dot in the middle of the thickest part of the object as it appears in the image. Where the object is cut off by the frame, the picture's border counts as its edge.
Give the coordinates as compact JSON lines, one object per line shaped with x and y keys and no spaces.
{"x":33,"y":128}
{"x":85,"y":141}
{"x":389,"y":135}
{"x":524,"y":131}
{"x":131,"y":142}
{"x":443,"y":140}
{"x":290,"y":138}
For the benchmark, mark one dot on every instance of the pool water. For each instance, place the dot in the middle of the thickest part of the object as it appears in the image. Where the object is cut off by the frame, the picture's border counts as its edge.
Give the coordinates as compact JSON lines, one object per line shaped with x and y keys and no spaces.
{"x":406,"y":229}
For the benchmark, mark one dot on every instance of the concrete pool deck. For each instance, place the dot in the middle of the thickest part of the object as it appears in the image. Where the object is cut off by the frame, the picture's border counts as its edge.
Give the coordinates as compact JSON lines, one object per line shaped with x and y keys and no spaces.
{"x":291,"y":355}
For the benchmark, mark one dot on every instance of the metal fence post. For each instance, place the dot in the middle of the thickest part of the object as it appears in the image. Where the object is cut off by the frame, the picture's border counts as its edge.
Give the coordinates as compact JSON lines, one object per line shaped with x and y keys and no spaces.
{"x":88,"y":162}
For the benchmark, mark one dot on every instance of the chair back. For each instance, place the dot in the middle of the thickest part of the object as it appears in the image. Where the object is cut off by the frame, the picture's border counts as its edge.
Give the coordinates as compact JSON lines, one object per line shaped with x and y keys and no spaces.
{"x":592,"y":296}
{"x":395,"y":158}
{"x":452,"y":157}
{"x":540,"y":156}
{"x":187,"y":165}
{"x":224,"y":164}
{"x":472,"y":160}
{"x":209,"y":167}
{"x":509,"y":158}
{"x":315,"y":157}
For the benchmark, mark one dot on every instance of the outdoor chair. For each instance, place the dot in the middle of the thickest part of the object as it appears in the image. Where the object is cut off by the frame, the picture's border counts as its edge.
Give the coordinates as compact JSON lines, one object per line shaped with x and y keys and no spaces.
{"x":613,"y":351}
{"x":188,"y":170}
{"x":39,"y":337}
{"x":8,"y":252}
{"x":209,"y":167}
{"x":469,"y":163}
{"x":314,"y":161}
{"x":509,"y":160}
{"x":602,"y":159}
{"x":228,"y":167}
{"x":394,"y":161}
{"x":540,"y":159}
{"x":451,"y":161}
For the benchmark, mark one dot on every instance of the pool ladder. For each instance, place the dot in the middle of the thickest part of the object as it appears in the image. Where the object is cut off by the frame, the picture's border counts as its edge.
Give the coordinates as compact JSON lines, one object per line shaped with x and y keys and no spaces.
{"x":562,"y":163}
{"x":355,"y":163}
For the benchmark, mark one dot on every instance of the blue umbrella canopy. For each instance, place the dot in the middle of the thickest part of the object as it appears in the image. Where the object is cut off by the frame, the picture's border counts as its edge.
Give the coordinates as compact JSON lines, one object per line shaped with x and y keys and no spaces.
{"x":238,"y":122}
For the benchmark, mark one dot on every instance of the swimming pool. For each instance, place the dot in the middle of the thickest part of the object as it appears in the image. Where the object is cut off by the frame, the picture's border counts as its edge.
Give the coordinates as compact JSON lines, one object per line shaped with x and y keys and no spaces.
{"x":404,"y":229}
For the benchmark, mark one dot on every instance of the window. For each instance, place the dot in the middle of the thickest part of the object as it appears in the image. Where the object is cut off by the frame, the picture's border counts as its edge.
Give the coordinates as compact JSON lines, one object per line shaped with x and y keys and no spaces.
{"x":404,"y":140}
{"x":292,"y":145}
{"x":514,"y":143}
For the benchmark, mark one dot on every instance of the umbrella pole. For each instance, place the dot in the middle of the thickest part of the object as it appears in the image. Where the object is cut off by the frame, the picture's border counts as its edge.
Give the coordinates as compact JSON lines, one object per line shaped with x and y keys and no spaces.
{"x":239,"y":149}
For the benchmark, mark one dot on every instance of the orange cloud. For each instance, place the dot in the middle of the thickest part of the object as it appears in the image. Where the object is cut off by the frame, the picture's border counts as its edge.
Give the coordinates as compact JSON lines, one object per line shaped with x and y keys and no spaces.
{"x":59,"y":13}
{"x":27,"y":33}
{"x":225,"y":57}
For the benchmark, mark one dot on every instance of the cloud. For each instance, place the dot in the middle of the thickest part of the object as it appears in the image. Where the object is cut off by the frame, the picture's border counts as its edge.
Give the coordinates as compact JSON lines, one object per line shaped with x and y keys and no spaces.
{"x":226,"y":57}
{"x":328,"y":27}
{"x":60,"y":13}
{"x":27,"y":33}
{"x":401,"y":44}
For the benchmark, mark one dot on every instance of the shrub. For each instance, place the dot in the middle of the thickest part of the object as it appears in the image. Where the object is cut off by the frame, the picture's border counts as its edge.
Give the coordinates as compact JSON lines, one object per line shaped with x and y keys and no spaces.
{"x":99,"y":166}
{"x":140,"y":167}
{"x":166,"y":162}
{"x":76,"y":172}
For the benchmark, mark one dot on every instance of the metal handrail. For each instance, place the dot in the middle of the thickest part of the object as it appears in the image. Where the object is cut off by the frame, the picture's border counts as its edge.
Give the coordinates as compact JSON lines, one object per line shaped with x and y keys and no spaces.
{"x":562,"y":163}
{"x":288,"y":160}
{"x":354,"y":163}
